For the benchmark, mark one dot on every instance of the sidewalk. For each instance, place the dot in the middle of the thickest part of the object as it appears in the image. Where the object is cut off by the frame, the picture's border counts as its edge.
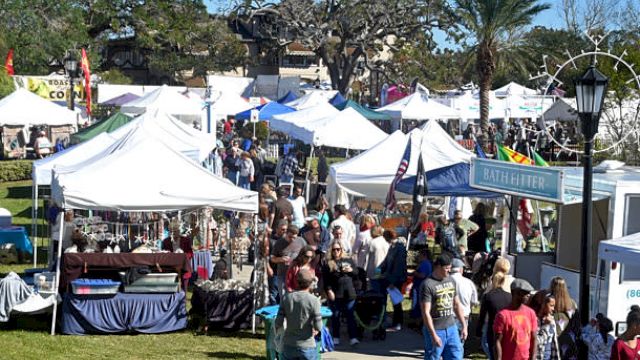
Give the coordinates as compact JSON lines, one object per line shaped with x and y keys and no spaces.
{"x":404,"y":344}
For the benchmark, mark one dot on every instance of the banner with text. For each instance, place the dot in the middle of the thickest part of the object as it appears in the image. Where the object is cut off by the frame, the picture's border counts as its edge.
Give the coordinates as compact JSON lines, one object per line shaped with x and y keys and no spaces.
{"x":532,"y":182}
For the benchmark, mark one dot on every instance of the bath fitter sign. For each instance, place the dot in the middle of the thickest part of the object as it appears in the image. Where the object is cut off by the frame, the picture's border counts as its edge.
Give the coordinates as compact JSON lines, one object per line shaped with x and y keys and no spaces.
{"x":532,"y":182}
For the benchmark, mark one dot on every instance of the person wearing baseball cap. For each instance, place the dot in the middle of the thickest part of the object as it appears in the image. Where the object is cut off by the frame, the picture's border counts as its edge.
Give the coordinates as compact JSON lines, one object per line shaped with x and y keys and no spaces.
{"x":465,"y":289}
{"x":515,"y":327}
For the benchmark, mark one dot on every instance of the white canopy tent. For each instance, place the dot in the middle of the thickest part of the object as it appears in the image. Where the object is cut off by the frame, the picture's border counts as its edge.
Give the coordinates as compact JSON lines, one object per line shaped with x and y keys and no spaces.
{"x":149,"y":187}
{"x":180,"y":137}
{"x":531,"y":107}
{"x":371,"y":173}
{"x":514,"y":88}
{"x":418,"y":106}
{"x":191,"y":142}
{"x":625,"y":249}
{"x":311,"y":99}
{"x":468,"y":105}
{"x":187,"y":109}
{"x":228,"y":103}
{"x":347,"y":129}
{"x":24,"y":108}
{"x":285,"y":122}
{"x":176,"y":185}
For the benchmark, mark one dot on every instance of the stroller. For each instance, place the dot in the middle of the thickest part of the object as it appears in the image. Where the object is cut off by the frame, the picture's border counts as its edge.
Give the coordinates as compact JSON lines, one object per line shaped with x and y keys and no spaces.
{"x":369,"y":311}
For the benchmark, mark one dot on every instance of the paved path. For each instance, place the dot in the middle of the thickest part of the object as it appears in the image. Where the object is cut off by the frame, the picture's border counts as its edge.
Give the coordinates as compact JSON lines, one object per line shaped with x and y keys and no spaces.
{"x":404,"y":344}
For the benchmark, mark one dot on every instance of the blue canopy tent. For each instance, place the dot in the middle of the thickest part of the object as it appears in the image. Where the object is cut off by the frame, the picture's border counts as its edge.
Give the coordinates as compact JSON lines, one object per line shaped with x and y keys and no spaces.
{"x":337,"y":100}
{"x":290,"y":96}
{"x":266,"y":111}
{"x":447,"y":181}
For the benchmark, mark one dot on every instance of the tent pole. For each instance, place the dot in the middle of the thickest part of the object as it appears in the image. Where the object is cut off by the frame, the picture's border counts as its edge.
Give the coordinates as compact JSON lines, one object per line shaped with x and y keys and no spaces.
{"x":228,"y":246}
{"x":57,"y":279}
{"x":307,"y":183}
{"x":34,"y":223}
{"x":256,"y":280}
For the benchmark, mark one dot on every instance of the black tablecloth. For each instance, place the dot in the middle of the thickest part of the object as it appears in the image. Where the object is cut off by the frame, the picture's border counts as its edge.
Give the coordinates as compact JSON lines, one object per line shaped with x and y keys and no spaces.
{"x":223,"y":310}
{"x":122,"y":313}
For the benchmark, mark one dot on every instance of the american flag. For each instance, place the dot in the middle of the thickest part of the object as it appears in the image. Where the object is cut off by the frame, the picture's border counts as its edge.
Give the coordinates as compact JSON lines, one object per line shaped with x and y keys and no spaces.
{"x":390,"y":203}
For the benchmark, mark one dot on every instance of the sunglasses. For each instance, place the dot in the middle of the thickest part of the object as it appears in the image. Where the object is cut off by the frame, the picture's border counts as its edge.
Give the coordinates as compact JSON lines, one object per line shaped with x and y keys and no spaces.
{"x":336,"y":249}
{"x":308,"y":256}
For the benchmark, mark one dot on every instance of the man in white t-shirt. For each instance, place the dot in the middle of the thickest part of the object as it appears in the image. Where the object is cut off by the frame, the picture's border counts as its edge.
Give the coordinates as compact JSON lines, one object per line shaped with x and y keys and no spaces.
{"x":299,"y":207}
{"x":465,"y":289}
{"x":348,"y":227}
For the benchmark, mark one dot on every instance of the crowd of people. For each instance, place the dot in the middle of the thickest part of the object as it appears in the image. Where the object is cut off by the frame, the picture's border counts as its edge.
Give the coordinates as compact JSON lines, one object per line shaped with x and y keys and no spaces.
{"x":314,"y":254}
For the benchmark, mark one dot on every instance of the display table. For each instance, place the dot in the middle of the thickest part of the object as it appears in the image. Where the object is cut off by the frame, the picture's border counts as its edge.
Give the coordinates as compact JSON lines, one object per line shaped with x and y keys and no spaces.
{"x":123,"y":313}
{"x":16,"y":235}
{"x":228,"y":309}
{"x":75,"y":264}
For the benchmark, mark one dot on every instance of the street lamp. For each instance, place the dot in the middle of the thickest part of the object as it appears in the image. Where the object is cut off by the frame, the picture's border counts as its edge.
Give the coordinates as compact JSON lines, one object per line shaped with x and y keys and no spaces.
{"x":591,"y":90}
{"x":71,"y":67}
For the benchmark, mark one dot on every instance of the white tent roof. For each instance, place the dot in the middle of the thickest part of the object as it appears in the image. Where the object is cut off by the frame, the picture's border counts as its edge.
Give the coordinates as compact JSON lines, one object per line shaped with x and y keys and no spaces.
{"x":124,"y":179}
{"x":564,"y":109}
{"x":183,"y":138}
{"x":468,"y":105}
{"x":418,"y":106}
{"x":527,"y":107}
{"x":22,"y":108}
{"x":42,"y":169}
{"x":166,"y":99}
{"x":370,"y":173}
{"x":625,"y":249}
{"x":347,"y":129}
{"x":514,"y":88}
{"x":285,"y":122}
{"x":228,"y":103}
{"x":312,"y":99}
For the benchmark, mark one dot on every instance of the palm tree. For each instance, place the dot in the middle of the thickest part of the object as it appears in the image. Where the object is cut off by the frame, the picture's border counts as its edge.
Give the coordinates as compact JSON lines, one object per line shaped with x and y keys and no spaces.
{"x":489,"y":21}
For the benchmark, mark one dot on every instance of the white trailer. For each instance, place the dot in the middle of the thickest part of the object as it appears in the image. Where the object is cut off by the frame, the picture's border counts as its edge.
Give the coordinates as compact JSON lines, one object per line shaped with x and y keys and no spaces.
{"x":619,"y":264}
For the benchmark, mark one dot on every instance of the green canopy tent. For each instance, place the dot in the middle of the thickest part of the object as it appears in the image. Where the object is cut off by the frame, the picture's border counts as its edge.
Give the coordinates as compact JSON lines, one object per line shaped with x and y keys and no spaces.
{"x":364,"y":111}
{"x":107,"y":125}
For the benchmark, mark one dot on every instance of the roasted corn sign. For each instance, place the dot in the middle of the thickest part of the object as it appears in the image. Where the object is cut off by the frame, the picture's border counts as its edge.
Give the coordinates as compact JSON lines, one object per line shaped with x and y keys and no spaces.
{"x":53,"y":87}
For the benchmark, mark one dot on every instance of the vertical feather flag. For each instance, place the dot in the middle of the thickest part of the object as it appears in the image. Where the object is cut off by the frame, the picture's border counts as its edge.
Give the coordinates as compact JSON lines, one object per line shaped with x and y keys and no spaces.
{"x":87,"y":79}
{"x":8,"y":64}
{"x":420,"y":190}
{"x":390,"y":202}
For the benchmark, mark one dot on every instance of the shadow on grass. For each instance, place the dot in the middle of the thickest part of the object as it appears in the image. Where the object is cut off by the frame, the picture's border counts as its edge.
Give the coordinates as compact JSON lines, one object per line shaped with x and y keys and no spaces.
{"x":242,"y":334}
{"x":230,"y":355}
{"x":19,"y":192}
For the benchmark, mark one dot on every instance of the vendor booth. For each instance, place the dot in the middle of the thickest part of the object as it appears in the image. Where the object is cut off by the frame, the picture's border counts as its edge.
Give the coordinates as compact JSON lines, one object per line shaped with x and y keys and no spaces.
{"x":149,"y":188}
{"x":358,"y":177}
{"x":285,"y":122}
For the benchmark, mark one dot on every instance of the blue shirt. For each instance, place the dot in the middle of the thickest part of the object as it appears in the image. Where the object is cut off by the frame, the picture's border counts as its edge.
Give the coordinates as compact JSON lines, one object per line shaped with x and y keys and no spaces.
{"x":424,"y":268}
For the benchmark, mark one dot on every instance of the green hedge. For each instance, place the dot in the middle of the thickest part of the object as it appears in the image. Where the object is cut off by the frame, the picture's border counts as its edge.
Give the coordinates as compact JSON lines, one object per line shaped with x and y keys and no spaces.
{"x":15,"y":170}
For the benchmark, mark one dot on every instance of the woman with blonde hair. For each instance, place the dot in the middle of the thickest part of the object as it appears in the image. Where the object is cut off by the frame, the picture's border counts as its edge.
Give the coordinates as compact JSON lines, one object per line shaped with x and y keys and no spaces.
{"x":363,"y":237}
{"x":494,"y":300}
{"x":502,"y":266}
{"x":339,"y":273}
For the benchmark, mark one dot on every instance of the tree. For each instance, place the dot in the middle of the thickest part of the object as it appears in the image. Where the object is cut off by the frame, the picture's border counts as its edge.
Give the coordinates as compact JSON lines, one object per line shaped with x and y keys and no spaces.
{"x":344,"y":33}
{"x":179,"y":36}
{"x":6,"y":84}
{"x":588,"y":15}
{"x":489,"y":22}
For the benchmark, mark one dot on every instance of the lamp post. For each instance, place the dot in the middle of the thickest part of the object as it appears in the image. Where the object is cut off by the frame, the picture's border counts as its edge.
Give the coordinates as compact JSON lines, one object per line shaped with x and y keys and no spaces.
{"x":591,"y":90}
{"x":71,"y":67}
